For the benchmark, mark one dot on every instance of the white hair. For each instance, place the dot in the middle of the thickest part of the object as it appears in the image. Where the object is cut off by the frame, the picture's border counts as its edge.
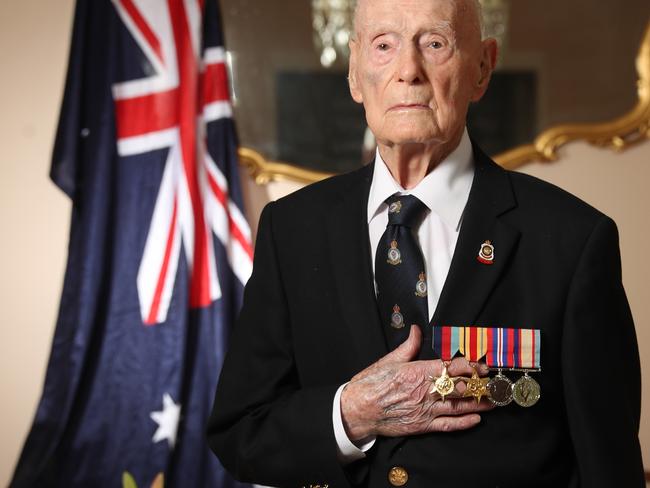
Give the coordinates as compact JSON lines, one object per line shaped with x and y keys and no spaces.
{"x":477,"y":5}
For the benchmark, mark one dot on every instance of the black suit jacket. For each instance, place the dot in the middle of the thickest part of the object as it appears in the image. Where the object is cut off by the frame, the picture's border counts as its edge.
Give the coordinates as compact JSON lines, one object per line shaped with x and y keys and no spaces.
{"x":309,"y":323}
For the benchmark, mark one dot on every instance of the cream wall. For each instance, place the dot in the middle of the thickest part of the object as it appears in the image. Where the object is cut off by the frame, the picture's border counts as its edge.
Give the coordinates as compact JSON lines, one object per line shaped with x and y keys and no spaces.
{"x":34,"y":215}
{"x":34,"y":38}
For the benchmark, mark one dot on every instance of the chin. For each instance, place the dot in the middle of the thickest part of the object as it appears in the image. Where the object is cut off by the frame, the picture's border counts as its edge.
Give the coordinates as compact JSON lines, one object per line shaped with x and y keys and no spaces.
{"x":413,"y":135}
{"x":416,"y":129}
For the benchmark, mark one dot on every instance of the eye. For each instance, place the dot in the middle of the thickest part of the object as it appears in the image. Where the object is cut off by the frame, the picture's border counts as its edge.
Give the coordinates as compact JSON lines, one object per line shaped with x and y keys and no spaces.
{"x":382,"y":46}
{"x":435,"y":44}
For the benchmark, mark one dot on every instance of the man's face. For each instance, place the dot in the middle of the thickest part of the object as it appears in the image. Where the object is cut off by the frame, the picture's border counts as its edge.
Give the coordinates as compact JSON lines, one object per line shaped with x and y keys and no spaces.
{"x":416,"y":65}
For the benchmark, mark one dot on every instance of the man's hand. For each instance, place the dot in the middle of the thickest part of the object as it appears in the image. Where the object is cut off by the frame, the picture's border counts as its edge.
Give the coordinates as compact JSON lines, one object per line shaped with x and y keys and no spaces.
{"x":391,"y":397}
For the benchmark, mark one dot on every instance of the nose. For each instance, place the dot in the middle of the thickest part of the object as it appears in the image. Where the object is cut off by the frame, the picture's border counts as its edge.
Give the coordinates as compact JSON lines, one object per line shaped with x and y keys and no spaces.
{"x":409,"y":69}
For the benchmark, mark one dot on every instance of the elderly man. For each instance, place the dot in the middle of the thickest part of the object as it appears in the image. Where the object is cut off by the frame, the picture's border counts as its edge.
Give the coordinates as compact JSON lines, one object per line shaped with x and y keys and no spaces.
{"x":337,"y":373}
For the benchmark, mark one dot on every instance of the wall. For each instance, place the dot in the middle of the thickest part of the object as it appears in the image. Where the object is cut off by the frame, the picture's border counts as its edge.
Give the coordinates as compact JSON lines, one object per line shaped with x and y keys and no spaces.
{"x":34,"y":214}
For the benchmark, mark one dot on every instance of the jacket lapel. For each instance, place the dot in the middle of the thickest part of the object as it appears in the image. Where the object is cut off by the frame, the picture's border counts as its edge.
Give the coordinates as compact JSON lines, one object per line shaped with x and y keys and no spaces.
{"x":469,"y":282}
{"x":349,"y":246}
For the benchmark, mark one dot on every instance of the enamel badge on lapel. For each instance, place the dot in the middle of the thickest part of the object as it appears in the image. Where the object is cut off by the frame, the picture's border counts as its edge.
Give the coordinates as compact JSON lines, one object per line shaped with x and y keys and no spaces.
{"x":486,"y":253}
{"x":396,"y":318}
{"x":421,"y":286}
{"x":394,"y":256}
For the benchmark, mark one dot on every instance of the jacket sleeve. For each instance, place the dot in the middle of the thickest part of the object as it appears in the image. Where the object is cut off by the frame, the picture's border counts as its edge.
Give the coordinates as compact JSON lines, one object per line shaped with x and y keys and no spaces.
{"x":601,"y":371}
{"x":265,"y":426}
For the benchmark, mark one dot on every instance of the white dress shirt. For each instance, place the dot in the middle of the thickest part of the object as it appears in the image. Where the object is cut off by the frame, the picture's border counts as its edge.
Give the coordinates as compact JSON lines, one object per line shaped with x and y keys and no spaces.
{"x":445,"y":192}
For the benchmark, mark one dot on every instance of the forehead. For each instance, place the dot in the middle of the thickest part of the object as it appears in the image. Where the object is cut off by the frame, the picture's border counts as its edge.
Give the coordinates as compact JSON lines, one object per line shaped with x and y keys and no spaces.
{"x":412,"y":15}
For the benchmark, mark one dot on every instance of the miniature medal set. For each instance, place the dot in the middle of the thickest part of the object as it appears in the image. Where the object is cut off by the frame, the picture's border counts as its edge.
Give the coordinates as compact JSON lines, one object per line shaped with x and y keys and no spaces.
{"x":509,"y":350}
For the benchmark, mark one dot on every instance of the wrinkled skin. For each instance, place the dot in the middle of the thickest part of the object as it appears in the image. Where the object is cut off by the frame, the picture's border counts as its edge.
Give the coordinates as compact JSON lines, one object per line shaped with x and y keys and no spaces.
{"x":415,"y":65}
{"x":392,"y":396}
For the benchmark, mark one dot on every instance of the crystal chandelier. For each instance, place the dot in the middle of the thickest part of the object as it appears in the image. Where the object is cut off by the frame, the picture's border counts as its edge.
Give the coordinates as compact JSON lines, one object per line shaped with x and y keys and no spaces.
{"x":332,"y":24}
{"x":495,"y":19}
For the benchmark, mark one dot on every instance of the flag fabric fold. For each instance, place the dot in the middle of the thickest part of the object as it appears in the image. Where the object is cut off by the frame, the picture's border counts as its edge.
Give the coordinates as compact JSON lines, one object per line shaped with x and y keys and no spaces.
{"x":158,"y":256}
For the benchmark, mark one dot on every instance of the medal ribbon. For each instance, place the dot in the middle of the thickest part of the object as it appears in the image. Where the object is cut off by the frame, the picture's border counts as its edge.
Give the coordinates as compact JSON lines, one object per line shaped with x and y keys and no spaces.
{"x":527,"y":354}
{"x":501,"y":347}
{"x":474,"y":343}
{"x":446,"y":341}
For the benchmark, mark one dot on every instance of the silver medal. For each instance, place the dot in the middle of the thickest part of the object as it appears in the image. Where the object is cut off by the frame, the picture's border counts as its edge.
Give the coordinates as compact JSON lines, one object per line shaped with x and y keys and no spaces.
{"x":500,"y":390}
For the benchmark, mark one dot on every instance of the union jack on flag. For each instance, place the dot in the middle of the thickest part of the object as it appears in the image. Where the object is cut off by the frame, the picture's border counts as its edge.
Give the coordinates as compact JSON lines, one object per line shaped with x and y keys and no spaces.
{"x":159,"y":251}
{"x":187,"y":90}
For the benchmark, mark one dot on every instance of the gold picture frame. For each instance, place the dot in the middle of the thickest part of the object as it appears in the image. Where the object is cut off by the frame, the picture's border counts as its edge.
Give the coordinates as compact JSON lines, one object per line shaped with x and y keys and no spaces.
{"x":618,"y":134}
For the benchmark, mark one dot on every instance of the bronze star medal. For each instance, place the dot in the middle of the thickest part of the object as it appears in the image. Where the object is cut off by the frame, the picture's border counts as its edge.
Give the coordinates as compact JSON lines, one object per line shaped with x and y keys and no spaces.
{"x":476,"y":386}
{"x":444,"y":384}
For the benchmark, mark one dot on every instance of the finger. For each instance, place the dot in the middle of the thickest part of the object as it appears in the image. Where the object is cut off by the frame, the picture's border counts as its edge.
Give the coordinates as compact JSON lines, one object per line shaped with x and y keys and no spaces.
{"x":461,"y":406}
{"x":462,"y":367}
{"x":483,"y":369}
{"x":450,"y":424}
{"x":406,"y":351}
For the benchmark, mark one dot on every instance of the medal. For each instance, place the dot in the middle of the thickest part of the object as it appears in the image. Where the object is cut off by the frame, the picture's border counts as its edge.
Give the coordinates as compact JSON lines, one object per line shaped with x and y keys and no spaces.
{"x":443,"y":385}
{"x":396,"y":318}
{"x":395,"y":207}
{"x":500,"y":389}
{"x":516,"y":350}
{"x":526,"y":391}
{"x":421,"y":286}
{"x":500,"y":355}
{"x":473,"y":345}
{"x":476,"y":386}
{"x":394,"y":256}
{"x":446,"y":341}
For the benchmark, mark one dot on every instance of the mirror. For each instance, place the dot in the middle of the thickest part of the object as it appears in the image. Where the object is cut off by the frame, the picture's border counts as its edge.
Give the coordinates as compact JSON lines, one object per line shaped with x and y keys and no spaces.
{"x":560,"y":62}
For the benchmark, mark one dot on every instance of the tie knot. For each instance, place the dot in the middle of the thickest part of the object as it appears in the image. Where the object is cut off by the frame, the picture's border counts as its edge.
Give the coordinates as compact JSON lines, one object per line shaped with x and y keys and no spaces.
{"x":405,"y":210}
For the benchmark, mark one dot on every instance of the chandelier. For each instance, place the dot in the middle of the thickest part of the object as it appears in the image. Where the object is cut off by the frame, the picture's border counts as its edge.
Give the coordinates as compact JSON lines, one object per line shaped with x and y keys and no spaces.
{"x":495,"y":19}
{"x":332,"y":24}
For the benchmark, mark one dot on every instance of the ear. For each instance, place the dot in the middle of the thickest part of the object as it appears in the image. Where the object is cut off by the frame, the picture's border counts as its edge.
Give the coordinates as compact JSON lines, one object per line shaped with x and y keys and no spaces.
{"x":355,"y":90}
{"x":488,"y":62}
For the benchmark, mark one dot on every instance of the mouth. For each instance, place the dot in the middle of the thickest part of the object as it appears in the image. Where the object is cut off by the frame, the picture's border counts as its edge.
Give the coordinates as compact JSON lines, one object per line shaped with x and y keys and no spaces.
{"x":409,"y":106}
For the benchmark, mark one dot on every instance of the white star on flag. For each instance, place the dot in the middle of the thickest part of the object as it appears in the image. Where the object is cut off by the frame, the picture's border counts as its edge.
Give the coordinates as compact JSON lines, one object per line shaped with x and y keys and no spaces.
{"x":167,"y":420}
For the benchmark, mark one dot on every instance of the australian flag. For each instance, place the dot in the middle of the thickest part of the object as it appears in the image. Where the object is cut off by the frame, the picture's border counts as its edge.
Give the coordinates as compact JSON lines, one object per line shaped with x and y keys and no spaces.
{"x":159,"y":251}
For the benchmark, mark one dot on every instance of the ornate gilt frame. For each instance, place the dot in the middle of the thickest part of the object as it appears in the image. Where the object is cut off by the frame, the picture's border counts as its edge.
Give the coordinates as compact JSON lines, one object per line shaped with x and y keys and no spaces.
{"x":617,"y":134}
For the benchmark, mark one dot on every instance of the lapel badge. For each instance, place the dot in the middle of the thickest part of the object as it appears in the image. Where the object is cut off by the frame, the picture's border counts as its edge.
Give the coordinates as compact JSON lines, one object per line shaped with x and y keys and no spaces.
{"x":395,"y":207}
{"x":394,"y":256}
{"x":486,"y":253}
{"x":396,"y":318}
{"x":421,"y":286}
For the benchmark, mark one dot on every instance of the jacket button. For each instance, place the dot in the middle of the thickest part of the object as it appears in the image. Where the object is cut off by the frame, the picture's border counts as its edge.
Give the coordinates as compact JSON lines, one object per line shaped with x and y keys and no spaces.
{"x":398,"y":476}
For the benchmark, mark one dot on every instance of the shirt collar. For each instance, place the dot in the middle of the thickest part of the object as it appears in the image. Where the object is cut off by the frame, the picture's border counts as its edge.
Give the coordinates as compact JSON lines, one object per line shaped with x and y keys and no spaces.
{"x":444,"y":190}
